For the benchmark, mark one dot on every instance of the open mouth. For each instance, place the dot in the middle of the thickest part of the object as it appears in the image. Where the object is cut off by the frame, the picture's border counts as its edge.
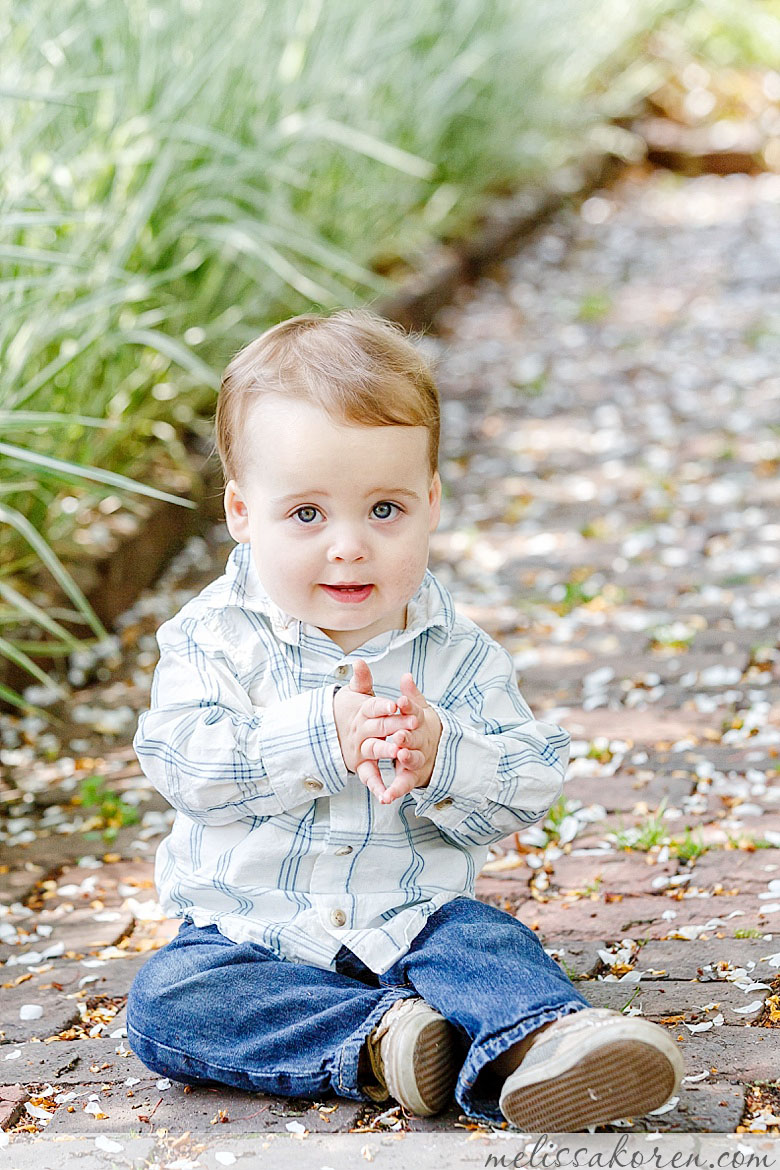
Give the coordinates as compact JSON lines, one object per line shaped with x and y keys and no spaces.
{"x":352,"y":592}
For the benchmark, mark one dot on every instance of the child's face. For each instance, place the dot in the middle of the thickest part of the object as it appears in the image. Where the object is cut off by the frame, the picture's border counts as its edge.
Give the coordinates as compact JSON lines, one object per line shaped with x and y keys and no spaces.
{"x":327,"y":505}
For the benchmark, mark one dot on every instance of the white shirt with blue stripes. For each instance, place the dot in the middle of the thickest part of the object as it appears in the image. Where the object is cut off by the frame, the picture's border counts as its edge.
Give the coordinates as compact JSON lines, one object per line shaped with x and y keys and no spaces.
{"x":274,"y":841}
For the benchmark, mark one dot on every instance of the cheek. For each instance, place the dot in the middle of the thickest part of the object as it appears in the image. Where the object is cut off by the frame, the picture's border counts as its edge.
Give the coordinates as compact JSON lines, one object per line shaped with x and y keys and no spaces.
{"x":408,"y":570}
{"x":278,"y":555}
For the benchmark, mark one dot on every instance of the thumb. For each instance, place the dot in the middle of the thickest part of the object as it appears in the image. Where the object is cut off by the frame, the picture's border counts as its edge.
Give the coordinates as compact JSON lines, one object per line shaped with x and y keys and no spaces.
{"x":409,"y":687}
{"x":361,"y":680}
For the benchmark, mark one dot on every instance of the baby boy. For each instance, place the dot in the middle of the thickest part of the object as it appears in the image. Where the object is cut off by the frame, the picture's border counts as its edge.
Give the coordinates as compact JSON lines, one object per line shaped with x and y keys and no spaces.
{"x":341,"y":749}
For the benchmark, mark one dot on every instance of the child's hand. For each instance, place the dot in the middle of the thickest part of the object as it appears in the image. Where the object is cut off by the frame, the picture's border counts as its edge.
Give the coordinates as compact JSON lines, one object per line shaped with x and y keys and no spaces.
{"x":361,"y":716}
{"x":413,"y":749}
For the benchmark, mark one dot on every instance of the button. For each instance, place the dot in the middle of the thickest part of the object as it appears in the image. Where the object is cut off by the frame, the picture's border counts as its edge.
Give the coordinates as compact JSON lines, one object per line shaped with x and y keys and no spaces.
{"x":443,"y":803}
{"x":313,"y":784}
{"x":344,"y":850}
{"x":342,"y":671}
{"x":338,"y":917}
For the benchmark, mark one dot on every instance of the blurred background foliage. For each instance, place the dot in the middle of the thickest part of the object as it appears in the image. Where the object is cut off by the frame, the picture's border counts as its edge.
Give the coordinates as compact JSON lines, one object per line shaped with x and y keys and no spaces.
{"x":179,"y":174}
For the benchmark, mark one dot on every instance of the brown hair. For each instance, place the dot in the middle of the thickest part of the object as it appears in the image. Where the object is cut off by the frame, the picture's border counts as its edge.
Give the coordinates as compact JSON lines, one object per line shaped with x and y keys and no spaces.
{"x":357,"y":366}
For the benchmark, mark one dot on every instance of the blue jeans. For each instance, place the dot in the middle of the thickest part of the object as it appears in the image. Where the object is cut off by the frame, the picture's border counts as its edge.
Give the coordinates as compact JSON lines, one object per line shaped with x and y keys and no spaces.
{"x":207,"y":1009}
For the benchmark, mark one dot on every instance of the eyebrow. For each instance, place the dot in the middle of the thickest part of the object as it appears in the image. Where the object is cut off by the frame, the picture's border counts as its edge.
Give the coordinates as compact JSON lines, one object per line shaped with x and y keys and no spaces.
{"x":374,"y":492}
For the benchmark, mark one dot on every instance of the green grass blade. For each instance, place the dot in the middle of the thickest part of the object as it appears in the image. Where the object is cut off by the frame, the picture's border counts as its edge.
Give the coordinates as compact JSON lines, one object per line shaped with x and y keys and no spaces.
{"x":54,"y":565}
{"x":17,"y":700}
{"x":72,"y":470}
{"x":21,"y":485}
{"x":8,"y":650}
{"x":26,"y":418}
{"x":29,"y":95}
{"x":42,"y":649}
{"x":17,"y":253}
{"x":244,"y":244}
{"x":33,"y":611}
{"x":65,"y":357}
{"x":359,"y":141}
{"x":177,"y":352}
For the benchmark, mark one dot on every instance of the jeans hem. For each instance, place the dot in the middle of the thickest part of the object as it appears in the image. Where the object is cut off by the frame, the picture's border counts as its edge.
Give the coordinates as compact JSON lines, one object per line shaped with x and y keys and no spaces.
{"x":220,"y":1074}
{"x":346,"y":1072}
{"x":483,"y":1053}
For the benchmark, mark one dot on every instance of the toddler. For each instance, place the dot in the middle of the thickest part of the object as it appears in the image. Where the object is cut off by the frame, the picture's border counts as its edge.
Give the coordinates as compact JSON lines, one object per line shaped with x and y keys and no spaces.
{"x":341,"y":748}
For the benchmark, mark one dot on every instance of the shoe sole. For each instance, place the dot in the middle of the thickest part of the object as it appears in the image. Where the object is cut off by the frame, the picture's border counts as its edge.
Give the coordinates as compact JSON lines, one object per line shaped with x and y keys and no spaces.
{"x":423,"y":1068}
{"x":619,"y":1078}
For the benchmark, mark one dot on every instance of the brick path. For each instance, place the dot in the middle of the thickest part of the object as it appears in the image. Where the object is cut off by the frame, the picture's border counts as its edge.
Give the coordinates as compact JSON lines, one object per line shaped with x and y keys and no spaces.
{"x":611,"y":453}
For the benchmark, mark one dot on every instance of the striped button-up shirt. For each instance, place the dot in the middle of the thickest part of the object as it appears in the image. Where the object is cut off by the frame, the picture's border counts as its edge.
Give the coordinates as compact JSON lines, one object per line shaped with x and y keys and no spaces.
{"x":274,"y":840}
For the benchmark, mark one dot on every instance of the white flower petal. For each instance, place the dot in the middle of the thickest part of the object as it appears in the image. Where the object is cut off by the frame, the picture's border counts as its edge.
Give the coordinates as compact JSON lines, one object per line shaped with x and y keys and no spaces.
{"x":664,"y":1108}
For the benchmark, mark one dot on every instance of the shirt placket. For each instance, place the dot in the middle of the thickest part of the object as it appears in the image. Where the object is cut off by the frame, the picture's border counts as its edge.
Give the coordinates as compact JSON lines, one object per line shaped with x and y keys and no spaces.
{"x":346,"y":821}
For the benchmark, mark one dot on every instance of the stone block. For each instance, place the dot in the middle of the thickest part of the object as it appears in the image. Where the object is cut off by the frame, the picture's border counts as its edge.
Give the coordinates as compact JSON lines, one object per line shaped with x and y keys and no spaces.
{"x":626,"y":873}
{"x":683,"y":959}
{"x":102,"y":883}
{"x":78,"y":931}
{"x":644,"y":728}
{"x":704,"y":1108}
{"x":12,"y":1099}
{"x":577,"y":958}
{"x":639,"y":917}
{"x":659,"y":1001}
{"x":736,"y":869}
{"x":739,"y":1054}
{"x":61,"y":1061}
{"x":194,"y":1108}
{"x":504,"y":892}
{"x":19,"y":883}
{"x":626,"y":788}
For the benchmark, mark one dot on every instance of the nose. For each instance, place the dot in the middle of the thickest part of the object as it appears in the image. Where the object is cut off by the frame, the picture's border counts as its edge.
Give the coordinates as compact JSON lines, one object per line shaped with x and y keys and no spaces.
{"x":347,"y":544}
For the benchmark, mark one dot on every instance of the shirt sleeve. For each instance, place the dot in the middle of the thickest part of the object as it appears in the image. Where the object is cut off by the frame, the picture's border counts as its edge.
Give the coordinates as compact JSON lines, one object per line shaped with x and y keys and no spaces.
{"x":497,"y":769}
{"x":215,"y":756}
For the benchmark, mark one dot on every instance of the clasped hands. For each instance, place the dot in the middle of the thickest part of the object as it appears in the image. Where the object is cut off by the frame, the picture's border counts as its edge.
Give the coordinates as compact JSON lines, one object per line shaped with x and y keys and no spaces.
{"x":371,"y":728}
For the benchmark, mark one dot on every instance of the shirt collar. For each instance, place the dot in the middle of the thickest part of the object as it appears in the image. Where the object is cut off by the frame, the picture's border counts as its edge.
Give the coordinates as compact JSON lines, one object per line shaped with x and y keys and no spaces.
{"x":240,"y":586}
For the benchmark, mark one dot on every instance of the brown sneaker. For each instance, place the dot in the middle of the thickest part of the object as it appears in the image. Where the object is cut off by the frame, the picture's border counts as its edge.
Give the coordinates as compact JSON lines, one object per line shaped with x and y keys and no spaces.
{"x":589,"y":1068}
{"x":414,"y":1056}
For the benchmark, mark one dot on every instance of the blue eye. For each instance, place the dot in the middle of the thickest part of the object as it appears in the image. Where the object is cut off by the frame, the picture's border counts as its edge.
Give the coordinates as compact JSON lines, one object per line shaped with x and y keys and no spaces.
{"x":307,"y":514}
{"x":381,"y":510}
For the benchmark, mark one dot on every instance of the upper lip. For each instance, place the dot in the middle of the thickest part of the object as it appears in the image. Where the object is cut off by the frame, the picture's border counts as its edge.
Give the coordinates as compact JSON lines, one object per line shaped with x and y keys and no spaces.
{"x":346,"y":584}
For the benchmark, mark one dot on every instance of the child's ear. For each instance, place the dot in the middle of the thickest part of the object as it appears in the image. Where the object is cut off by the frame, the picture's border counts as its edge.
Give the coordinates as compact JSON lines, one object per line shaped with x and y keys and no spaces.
{"x":236,"y":513}
{"x":434,"y":501}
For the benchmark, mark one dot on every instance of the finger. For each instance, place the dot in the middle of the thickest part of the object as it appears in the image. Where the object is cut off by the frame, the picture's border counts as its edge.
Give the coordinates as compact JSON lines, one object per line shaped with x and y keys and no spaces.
{"x":410,"y":689}
{"x":409,"y":738}
{"x":378,"y":749}
{"x":368,"y":772}
{"x":361,"y":680}
{"x":404,"y":704}
{"x":376,"y":707}
{"x":403,"y":782}
{"x":385,"y":749}
{"x":411,"y":759}
{"x":389,"y":724}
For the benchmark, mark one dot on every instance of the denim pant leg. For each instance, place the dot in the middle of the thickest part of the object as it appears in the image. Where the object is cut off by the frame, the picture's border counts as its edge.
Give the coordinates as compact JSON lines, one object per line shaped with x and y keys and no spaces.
{"x":489,"y":975}
{"x":205,"y":1008}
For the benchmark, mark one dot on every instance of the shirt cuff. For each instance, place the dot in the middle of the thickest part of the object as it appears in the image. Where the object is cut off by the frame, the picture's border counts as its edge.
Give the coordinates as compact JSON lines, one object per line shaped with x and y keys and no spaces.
{"x":299,"y":747}
{"x":464,"y":777}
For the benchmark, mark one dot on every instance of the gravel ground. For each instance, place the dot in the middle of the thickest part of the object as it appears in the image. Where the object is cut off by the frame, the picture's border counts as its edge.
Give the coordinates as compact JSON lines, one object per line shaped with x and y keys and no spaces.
{"x":611,"y":447}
